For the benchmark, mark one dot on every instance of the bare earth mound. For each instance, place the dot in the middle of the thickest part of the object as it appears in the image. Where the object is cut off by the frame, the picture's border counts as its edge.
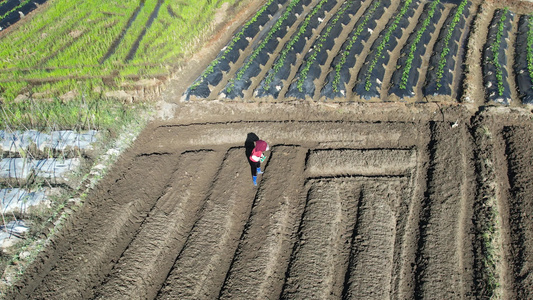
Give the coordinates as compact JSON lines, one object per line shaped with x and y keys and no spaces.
{"x":358,"y":200}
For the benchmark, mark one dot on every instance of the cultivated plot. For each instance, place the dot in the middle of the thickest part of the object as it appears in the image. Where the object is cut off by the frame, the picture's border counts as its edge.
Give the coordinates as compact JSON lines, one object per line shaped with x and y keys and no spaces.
{"x":352,"y":211}
{"x":356,"y":50}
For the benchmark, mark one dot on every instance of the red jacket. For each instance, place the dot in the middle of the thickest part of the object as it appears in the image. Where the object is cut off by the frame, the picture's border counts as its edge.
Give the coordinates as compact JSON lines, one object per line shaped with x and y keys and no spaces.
{"x":260,"y":147}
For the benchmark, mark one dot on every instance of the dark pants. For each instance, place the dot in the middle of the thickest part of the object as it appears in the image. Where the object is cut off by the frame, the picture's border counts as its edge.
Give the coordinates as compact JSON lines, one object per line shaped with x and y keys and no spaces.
{"x":254,"y":166}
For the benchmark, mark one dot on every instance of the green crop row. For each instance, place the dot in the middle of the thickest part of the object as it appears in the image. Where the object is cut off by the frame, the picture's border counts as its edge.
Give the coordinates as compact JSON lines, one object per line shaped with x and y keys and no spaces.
{"x":262,"y":45}
{"x":283,"y":55}
{"x":318,"y":46}
{"x":351,"y":42}
{"x":384,"y":42}
{"x":184,"y":33}
{"x":235,"y":39}
{"x":446,"y":48}
{"x":24,"y":2}
{"x":414,"y":45}
{"x":530,"y":48}
{"x":133,"y":32}
{"x":71,"y":38}
{"x":496,"y":51}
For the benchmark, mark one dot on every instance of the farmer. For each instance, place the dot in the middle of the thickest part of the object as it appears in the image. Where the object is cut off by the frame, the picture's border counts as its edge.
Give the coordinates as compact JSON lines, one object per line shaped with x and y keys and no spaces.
{"x":257,"y":157}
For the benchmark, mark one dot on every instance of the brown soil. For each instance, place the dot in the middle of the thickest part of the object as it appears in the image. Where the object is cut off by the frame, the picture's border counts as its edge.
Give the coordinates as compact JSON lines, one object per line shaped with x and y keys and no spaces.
{"x":358,"y":201}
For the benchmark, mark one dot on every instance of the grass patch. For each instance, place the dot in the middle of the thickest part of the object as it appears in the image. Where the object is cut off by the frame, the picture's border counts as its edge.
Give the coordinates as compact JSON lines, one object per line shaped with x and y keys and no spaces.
{"x":78,"y":114}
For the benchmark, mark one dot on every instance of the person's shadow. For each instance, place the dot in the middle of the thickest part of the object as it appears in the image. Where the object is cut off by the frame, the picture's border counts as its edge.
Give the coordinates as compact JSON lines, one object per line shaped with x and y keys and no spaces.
{"x":249,"y":145}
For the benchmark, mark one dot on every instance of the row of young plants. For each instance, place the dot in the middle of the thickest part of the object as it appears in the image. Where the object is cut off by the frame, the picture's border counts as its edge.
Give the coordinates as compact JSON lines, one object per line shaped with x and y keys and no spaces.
{"x":372,"y":73}
{"x":406,"y":76}
{"x":70,"y":39}
{"x":310,"y":69}
{"x":261,"y":54}
{"x":231,"y":52}
{"x":442,"y":62}
{"x":10,"y":7}
{"x":339,"y":74}
{"x":495,"y":57}
{"x":524,"y":59}
{"x":172,"y":36}
{"x":288,"y":56}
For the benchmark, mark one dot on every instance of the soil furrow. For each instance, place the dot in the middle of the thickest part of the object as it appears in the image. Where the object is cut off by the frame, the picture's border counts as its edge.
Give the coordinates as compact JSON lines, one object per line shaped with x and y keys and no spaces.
{"x":380,"y":162}
{"x":440,"y":275}
{"x":397,"y":135}
{"x":143,"y":267}
{"x":201,"y":267}
{"x":320,"y":259}
{"x":370,"y":274}
{"x":519,"y":159}
{"x":90,"y":250}
{"x":408,"y":223}
{"x":258,"y":270}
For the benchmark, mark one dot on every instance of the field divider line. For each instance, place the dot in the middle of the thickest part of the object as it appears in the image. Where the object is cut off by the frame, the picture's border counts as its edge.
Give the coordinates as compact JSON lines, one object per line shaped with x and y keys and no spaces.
{"x":466,"y":213}
{"x":162,"y":235}
{"x":321,"y":255}
{"x":76,"y":270}
{"x":503,"y":188}
{"x":310,"y":42}
{"x":374,"y":250}
{"x":201,"y":266}
{"x":259,"y":266}
{"x":439,"y":272}
{"x":404,"y":285}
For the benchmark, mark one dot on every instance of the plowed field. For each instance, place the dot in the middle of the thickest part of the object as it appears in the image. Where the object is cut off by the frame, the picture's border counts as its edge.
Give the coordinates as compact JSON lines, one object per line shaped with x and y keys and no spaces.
{"x":357,"y":201}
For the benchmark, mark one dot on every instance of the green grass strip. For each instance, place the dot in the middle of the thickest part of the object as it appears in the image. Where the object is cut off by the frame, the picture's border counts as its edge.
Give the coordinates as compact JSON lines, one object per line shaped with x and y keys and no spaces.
{"x":530,"y":48}
{"x":446,"y":48}
{"x":384,"y":41}
{"x":283,"y":55}
{"x":496,"y":51}
{"x":80,"y":113}
{"x":319,"y":45}
{"x":256,"y":52}
{"x":351,"y":42}
{"x":235,"y":39}
{"x":411,"y":55}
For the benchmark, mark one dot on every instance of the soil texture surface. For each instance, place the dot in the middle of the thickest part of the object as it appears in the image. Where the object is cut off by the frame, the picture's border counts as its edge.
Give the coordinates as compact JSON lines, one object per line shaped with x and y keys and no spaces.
{"x":420,"y":199}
